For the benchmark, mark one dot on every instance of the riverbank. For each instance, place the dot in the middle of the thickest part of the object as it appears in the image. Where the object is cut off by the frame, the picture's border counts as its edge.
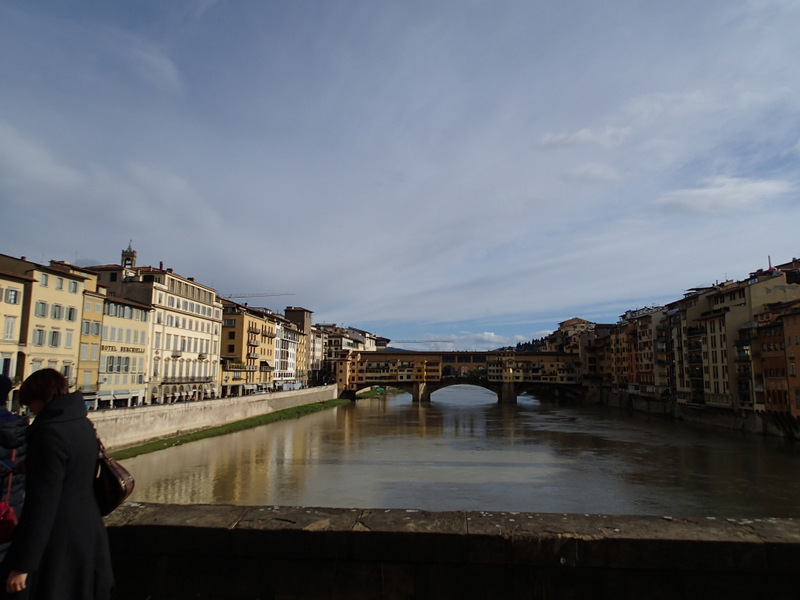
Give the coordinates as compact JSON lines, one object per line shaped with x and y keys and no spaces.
{"x":289,"y":413}
{"x":122,"y":428}
{"x":722,"y":417}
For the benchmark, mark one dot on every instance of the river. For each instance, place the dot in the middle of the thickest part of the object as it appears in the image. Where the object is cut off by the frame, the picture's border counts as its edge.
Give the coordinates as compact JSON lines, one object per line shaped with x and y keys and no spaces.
{"x":464,"y":451}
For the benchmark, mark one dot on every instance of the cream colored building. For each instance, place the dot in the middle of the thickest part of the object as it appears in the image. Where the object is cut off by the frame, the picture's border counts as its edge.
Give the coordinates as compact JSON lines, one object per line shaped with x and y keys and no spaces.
{"x":185,"y":328}
{"x":287,"y":340}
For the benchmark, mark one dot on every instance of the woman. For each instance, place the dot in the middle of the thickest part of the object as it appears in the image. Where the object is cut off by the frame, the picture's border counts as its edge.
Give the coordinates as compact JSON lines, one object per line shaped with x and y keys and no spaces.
{"x":12,"y":455}
{"x":60,"y":548}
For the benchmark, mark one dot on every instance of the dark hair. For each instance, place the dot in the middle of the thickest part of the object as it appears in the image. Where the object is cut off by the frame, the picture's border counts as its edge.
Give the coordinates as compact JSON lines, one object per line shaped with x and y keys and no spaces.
{"x":43,"y":385}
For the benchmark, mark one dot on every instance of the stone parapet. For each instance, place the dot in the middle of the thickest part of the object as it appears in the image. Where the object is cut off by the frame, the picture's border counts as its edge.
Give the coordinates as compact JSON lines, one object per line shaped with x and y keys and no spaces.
{"x":173,"y":552}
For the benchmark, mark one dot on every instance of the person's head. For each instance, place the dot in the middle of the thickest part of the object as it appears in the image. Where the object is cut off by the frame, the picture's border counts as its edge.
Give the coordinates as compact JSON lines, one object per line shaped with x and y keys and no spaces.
{"x":41,"y":387}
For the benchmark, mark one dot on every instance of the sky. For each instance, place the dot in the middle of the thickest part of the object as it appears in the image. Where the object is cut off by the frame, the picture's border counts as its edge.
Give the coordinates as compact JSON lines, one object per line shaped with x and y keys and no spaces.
{"x":449,"y":174}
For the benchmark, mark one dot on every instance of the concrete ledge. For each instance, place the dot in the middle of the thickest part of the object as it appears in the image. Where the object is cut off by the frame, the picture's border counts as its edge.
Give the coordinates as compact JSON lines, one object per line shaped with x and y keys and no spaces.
{"x":201,"y":551}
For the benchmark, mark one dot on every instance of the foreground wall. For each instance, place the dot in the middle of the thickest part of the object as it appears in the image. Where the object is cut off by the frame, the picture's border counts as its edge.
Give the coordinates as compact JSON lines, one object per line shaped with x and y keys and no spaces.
{"x":171,"y":552}
{"x":120,"y":427}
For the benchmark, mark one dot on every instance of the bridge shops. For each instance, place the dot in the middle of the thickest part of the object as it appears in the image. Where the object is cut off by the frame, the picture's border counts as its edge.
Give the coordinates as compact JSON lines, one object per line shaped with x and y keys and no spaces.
{"x":422,"y":373}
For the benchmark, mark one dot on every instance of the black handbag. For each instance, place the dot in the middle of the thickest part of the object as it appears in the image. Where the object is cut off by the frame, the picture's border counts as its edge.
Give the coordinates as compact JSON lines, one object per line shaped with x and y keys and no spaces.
{"x":113,"y":483}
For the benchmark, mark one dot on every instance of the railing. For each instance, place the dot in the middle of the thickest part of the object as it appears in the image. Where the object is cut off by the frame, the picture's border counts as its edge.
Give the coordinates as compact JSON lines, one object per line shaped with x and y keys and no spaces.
{"x":186,"y":379}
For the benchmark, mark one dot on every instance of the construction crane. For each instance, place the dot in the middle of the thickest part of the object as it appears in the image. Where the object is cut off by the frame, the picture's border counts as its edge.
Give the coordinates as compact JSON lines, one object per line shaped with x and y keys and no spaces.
{"x":228,"y":296}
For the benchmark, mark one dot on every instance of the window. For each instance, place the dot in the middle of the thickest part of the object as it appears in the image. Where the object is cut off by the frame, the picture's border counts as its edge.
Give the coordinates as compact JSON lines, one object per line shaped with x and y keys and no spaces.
{"x":43,"y":280}
{"x":8,"y":328}
{"x":68,"y":339}
{"x":59,"y":283}
{"x":73,"y":287}
{"x":57,"y":312}
{"x":84,"y":351}
{"x":12,"y":296}
{"x":72,"y":313}
{"x":55,"y":338}
{"x":41,"y":309}
{"x":95,"y":351}
{"x":38,"y":337}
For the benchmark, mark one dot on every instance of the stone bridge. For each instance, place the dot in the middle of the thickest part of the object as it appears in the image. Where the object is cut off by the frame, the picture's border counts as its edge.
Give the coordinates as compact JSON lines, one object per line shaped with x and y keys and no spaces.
{"x":507,"y":374}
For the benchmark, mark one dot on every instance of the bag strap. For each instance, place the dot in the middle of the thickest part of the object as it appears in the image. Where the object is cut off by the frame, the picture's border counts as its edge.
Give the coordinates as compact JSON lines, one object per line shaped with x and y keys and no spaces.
{"x":10,"y":474}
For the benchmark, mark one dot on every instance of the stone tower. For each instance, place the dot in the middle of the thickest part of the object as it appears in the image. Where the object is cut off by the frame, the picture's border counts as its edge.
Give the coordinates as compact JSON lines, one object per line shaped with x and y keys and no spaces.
{"x":129,"y":257}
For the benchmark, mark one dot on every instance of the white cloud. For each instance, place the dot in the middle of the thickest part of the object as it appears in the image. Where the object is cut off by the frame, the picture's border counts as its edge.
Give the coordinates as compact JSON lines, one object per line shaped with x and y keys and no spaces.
{"x":724,"y":196}
{"x":593,"y":173}
{"x":604,"y":137}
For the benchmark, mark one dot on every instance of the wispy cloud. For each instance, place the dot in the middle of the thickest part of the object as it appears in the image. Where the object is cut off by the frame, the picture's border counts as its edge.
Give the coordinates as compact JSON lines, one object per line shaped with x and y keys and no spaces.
{"x":604,"y":137}
{"x":724,"y":196}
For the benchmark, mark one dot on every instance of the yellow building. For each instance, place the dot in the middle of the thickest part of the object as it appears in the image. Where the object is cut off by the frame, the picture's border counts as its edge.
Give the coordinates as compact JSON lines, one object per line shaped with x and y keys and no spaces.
{"x":86,"y":379}
{"x":12,"y":289}
{"x":50,"y":317}
{"x":124,"y":354}
{"x":247,"y":349}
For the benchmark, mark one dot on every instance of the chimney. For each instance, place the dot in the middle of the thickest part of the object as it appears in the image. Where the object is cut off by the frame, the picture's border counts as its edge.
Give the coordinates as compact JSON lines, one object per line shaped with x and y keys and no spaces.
{"x":161,"y":265}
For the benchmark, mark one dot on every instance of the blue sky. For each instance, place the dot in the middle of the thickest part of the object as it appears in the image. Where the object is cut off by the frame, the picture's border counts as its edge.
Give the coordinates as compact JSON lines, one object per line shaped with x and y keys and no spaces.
{"x":461,"y":170}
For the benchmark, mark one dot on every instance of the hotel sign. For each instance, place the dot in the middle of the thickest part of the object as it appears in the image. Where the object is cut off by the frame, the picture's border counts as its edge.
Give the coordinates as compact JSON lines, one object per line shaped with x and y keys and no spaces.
{"x":107,"y":348}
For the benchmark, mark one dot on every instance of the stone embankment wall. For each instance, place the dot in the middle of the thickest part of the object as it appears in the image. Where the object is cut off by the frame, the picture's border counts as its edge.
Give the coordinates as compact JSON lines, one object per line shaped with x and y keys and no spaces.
{"x":122,"y":427}
{"x":702,"y":415}
{"x":171,"y":552}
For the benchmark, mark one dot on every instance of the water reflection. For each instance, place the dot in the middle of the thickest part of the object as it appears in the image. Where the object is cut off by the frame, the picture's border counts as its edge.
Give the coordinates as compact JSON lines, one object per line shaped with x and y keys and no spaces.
{"x":465,"y":451}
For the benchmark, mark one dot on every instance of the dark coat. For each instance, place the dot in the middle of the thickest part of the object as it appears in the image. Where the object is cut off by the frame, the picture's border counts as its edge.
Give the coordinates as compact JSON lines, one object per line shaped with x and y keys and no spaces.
{"x":12,"y":437}
{"x":61,"y":541}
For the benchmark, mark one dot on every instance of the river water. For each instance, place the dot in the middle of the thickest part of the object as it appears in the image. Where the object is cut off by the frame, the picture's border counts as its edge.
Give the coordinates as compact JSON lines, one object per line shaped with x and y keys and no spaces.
{"x":464,"y":451}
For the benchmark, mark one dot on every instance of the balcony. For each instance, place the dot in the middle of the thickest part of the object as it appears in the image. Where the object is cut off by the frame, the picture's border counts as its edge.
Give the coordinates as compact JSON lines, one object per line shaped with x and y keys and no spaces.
{"x":232,"y":365}
{"x":695,"y":331}
{"x":253,"y":355}
{"x":252,"y":343}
